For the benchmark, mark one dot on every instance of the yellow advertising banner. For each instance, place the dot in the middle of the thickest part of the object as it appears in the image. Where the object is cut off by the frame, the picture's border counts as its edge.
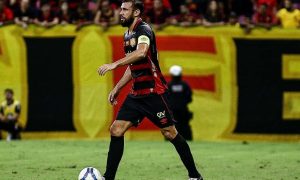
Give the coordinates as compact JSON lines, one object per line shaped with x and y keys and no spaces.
{"x":208,"y":58}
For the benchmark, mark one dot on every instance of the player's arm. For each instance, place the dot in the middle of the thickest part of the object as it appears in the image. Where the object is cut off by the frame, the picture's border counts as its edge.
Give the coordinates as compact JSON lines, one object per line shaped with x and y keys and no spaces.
{"x":123,"y":81}
{"x":1,"y":114}
{"x":138,"y":54}
{"x":16,"y":115}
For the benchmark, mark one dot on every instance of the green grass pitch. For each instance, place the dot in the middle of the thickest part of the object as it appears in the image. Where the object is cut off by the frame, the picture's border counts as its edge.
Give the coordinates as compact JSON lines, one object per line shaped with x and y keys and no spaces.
{"x":149,"y":160}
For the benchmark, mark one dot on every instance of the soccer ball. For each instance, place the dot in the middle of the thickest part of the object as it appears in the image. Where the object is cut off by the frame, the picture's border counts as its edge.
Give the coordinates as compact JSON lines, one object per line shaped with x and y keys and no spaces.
{"x":89,"y":173}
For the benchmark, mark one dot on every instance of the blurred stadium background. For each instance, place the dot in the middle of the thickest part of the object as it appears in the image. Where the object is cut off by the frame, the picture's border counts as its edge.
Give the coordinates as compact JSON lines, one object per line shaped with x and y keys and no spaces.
{"x":245,"y":76}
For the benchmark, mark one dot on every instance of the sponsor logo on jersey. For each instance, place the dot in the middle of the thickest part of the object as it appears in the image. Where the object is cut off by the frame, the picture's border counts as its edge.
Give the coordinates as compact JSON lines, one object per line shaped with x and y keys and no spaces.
{"x":161,"y":115}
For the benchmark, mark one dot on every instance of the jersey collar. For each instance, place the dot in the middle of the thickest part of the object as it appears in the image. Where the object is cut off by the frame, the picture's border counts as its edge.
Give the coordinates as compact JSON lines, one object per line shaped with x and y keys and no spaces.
{"x":137,"y":23}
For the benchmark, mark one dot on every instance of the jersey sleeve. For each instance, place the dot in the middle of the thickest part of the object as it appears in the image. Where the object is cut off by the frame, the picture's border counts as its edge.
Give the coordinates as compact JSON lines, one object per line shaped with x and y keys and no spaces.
{"x":1,"y":110}
{"x":279,"y":13}
{"x":144,"y":35}
{"x":18,"y":108}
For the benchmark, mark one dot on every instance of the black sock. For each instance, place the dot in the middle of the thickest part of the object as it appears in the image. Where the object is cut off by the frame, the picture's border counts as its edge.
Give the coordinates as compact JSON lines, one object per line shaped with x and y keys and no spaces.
{"x":186,"y":156}
{"x":115,"y":153}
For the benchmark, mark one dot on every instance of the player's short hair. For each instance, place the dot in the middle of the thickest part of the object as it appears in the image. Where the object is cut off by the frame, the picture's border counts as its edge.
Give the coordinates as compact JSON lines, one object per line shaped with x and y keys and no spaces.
{"x":136,"y":4}
{"x":8,"y":90}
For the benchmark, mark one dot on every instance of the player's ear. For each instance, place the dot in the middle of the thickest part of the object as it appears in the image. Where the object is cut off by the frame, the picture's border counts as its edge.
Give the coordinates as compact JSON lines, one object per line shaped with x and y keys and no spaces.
{"x":136,"y":12}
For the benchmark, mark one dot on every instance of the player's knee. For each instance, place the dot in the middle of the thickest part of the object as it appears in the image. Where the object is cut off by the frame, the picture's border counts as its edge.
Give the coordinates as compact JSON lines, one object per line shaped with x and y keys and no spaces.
{"x":169,"y":135}
{"x":115,"y":131}
{"x":170,"y":132}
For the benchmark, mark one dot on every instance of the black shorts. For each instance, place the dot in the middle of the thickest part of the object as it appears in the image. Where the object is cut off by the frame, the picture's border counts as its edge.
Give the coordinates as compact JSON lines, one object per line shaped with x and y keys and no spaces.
{"x":154,"y":106}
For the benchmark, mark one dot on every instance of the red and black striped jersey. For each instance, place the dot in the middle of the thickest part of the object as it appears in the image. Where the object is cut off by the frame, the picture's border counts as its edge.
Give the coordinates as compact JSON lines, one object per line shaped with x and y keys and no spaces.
{"x":146,"y":73}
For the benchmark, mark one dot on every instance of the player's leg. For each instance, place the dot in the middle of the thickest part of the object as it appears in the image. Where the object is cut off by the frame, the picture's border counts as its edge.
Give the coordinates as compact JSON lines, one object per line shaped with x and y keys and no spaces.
{"x":116,"y":147}
{"x":183,"y":150}
{"x":188,"y":132}
{"x":7,"y":126}
{"x":157,"y":109}
{"x":14,"y":131}
{"x":128,"y":116}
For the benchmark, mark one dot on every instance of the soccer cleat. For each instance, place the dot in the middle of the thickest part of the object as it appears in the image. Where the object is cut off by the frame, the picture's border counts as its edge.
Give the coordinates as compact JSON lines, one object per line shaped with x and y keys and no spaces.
{"x":196,"y":178}
{"x":9,"y":137}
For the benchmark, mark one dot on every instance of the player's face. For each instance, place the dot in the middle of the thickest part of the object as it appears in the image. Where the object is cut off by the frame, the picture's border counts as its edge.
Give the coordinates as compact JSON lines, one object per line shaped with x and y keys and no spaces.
{"x":126,"y":14}
{"x":287,"y":4}
{"x":1,"y":5}
{"x":8,"y":96}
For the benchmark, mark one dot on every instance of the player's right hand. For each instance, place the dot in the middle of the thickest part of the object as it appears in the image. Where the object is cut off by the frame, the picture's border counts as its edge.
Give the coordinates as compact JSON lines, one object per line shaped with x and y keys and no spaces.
{"x":106,"y":67}
{"x":112,"y":97}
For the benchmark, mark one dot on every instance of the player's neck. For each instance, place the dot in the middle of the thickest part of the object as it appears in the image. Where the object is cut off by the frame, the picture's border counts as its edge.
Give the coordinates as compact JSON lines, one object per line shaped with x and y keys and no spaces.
{"x":9,"y":101}
{"x":131,"y":27}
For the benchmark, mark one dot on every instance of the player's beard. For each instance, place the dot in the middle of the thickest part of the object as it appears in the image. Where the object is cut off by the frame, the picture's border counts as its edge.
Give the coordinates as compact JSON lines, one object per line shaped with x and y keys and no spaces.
{"x":127,"y":22}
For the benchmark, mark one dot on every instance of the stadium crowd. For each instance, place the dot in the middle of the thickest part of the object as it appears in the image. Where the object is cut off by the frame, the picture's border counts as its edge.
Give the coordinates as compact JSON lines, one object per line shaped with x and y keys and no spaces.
{"x":160,"y":13}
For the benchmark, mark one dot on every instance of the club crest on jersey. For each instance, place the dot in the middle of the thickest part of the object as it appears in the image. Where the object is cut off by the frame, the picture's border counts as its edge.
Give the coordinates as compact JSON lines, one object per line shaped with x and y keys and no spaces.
{"x":161,"y":115}
{"x":132,"y":42}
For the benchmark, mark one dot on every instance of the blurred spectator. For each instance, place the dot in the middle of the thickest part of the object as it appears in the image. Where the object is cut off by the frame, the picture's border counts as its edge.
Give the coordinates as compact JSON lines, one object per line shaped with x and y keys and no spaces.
{"x":213,"y":16}
{"x":148,"y":5}
{"x":106,"y":15}
{"x":263,"y":17}
{"x":242,"y":8}
{"x":158,"y":16}
{"x":185,"y":18}
{"x":115,"y":3}
{"x":270,"y":4}
{"x":175,"y":6}
{"x":232,"y":19}
{"x":6,"y":15}
{"x":159,"y":13}
{"x":46,"y":17}
{"x":288,"y":17}
{"x":24,"y":14}
{"x":223,"y":10}
{"x":225,"y":6}
{"x":92,"y":6}
{"x":296,"y":4}
{"x":180,"y":97}
{"x":64,"y":14}
{"x":82,"y":16}
{"x":9,"y":114}
{"x":73,"y":5}
{"x":12,"y":4}
{"x":192,"y":6}
{"x":37,"y":4}
{"x":246,"y":24}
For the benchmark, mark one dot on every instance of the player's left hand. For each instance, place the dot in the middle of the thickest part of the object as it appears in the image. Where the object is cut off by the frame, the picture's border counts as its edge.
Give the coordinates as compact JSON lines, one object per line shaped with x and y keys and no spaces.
{"x":106,"y":67}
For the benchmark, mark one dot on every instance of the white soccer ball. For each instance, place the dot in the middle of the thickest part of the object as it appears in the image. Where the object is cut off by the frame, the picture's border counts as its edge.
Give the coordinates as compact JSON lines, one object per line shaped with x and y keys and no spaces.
{"x":89,"y":173}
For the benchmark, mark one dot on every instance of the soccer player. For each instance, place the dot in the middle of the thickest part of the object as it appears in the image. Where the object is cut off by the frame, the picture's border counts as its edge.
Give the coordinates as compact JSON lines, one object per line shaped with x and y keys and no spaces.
{"x":148,"y":97}
{"x":9,"y":114}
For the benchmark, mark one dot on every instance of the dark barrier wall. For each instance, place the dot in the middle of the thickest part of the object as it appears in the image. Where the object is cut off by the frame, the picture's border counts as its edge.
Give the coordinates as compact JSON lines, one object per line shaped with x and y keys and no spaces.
{"x":50,"y":84}
{"x":262,"y":87}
